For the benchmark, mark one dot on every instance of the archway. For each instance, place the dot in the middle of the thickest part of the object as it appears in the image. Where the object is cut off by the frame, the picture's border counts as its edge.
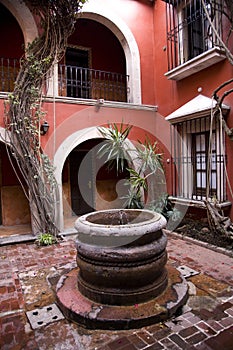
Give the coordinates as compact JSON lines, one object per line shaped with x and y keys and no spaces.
{"x":90,"y":182}
{"x":86,"y":141}
{"x":24,"y":17}
{"x":91,"y":10}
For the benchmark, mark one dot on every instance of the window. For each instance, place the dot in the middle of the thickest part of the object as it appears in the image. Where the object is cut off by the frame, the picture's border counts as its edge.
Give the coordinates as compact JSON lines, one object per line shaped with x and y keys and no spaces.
{"x":200,"y":146}
{"x":197,"y":31}
{"x":191,"y":140}
{"x":189,"y":33}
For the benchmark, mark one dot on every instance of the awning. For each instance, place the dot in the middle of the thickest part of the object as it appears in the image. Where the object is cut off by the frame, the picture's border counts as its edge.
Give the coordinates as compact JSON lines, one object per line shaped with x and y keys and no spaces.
{"x":198,"y":107}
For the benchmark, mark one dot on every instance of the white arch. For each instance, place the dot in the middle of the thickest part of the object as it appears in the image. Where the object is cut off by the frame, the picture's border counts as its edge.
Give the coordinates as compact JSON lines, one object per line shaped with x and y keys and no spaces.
{"x":62,"y":153}
{"x":24,"y":17}
{"x":94,"y":10}
{"x":59,"y":159}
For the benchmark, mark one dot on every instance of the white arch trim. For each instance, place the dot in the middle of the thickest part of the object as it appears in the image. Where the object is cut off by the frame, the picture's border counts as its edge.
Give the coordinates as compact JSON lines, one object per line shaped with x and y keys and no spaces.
{"x":94,"y":10}
{"x":24,"y":17}
{"x":62,"y":153}
{"x":59,"y":159}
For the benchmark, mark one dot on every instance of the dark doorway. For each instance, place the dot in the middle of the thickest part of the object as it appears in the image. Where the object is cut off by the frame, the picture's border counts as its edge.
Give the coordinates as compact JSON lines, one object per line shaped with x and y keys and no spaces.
{"x":81,"y":181}
{"x":89,"y":175}
{"x":77,"y":72}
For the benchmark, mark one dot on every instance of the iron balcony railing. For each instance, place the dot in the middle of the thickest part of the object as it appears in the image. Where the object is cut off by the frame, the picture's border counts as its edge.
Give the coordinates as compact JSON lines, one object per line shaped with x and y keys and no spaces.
{"x":76,"y":82}
{"x":79,"y":82}
{"x":189,"y":32}
{"x":9,"y":68}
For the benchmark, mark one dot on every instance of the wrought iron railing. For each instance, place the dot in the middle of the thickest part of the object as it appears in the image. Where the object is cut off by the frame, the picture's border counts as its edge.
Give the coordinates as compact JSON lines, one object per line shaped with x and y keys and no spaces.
{"x":88,"y":83}
{"x":76,"y":82}
{"x":189,"y":32}
{"x":9,"y":68}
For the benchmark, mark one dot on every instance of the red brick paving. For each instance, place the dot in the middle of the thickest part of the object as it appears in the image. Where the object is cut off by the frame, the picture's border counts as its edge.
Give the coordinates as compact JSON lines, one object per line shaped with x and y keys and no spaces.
{"x":200,"y":329}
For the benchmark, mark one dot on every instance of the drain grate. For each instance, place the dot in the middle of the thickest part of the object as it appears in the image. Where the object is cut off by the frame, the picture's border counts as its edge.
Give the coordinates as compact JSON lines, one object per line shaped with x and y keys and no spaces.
{"x":43,"y":316}
{"x":187,"y":271}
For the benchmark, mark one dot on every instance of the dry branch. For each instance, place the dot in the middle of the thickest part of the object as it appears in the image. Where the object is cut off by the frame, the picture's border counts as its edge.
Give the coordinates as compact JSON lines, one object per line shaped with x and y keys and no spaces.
{"x":24,"y":112}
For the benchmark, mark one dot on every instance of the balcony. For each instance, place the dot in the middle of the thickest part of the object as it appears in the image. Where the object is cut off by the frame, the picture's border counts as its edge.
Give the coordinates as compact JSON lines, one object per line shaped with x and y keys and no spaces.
{"x":88,"y":83}
{"x":192,"y":45}
{"x":9,"y":68}
{"x":73,"y":81}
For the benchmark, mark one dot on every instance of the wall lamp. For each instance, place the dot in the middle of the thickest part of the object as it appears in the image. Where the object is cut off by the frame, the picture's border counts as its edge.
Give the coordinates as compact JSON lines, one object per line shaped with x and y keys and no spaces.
{"x":44,"y":128}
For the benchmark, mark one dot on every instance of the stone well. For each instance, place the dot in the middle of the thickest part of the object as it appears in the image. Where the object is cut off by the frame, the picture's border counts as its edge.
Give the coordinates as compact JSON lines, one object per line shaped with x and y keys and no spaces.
{"x":122,"y":279}
{"x":121,"y":255}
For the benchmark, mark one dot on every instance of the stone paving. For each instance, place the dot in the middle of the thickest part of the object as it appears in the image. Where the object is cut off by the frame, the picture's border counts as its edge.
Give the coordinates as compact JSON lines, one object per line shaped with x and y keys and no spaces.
{"x":28,"y":275}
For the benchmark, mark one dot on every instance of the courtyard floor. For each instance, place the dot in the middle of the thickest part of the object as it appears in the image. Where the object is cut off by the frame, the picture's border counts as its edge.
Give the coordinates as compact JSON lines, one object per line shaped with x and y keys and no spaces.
{"x":26,"y":288}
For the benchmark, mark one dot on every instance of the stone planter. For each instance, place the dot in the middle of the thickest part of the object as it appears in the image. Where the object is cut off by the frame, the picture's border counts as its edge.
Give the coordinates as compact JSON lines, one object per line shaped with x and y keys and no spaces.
{"x":121,"y":255}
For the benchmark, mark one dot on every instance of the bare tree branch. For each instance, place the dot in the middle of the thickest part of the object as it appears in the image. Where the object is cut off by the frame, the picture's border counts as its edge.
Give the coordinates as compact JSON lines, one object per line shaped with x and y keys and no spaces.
{"x":24,"y":111}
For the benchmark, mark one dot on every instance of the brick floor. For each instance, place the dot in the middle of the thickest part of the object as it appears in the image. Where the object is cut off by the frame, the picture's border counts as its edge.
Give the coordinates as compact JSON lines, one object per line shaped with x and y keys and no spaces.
{"x":24,"y":283}
{"x":223,"y":340}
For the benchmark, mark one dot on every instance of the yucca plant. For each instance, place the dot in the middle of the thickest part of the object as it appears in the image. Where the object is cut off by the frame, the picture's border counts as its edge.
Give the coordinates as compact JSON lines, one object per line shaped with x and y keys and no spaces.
{"x":114,"y":145}
{"x":150,"y":159}
{"x":116,"y":152}
{"x":133,"y":200}
{"x":148,"y":177}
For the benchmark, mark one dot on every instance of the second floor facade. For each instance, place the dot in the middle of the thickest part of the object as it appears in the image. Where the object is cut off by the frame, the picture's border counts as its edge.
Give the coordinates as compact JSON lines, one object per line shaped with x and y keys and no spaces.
{"x":150,"y":64}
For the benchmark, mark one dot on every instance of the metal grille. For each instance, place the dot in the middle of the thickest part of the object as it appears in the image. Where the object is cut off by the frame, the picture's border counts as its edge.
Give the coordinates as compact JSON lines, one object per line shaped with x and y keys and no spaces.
{"x":189,"y":33}
{"x":9,"y":68}
{"x":89,"y":83}
{"x":190,"y":143}
{"x":74,"y":81}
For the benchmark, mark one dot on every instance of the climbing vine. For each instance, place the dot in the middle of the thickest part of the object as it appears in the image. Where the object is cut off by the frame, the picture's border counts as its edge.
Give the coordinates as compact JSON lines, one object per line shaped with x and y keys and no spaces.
{"x":24,"y":111}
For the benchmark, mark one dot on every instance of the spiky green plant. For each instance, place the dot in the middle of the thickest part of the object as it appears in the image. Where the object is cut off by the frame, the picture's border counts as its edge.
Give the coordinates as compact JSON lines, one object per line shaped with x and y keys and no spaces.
{"x":114,"y":146}
{"x":149,"y":157}
{"x":150,"y":164}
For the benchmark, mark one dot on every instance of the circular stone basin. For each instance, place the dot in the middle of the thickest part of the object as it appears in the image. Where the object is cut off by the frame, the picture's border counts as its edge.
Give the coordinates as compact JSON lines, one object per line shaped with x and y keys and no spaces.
{"x":121,"y":255}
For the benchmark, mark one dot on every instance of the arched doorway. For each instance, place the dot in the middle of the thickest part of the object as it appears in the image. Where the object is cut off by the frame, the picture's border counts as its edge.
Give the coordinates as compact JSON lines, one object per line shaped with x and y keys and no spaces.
{"x":10,"y":55}
{"x":24,"y":18}
{"x":90,"y":182}
{"x":93,"y":67}
{"x":98,"y":58}
{"x":110,"y":19}
{"x":17,"y":28}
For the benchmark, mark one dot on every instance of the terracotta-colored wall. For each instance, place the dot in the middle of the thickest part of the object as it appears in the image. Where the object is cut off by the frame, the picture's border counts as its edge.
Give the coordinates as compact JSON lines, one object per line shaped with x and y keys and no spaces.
{"x":14,"y":204}
{"x":106,"y":51}
{"x":148,"y":25}
{"x":15,"y":207}
{"x":170,"y":95}
{"x":139,"y":17}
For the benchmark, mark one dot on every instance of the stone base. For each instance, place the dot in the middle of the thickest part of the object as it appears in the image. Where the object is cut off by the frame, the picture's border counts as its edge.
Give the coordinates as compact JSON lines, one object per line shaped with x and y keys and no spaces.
{"x":92,"y":315}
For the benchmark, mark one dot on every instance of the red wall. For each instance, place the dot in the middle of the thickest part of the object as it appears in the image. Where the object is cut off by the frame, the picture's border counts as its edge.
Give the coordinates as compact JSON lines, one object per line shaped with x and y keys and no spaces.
{"x":170,"y":95}
{"x":106,"y":51}
{"x":148,"y":25}
{"x":139,"y":17}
